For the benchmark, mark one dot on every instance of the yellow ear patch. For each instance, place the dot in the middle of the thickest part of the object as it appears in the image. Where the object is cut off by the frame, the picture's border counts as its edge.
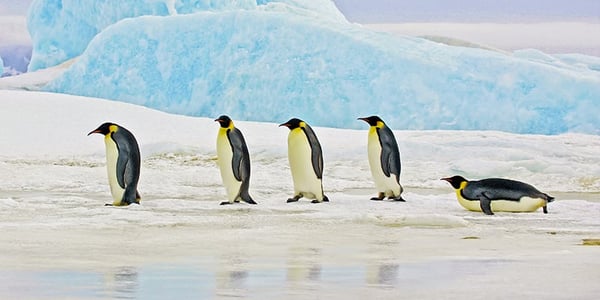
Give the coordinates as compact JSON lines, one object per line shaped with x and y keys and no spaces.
{"x":302,"y":124}
{"x":113,"y":128}
{"x":379,"y":124}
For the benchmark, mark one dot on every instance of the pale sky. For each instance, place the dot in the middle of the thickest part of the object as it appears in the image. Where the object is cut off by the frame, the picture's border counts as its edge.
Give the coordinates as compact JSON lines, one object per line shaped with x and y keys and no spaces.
{"x":397,"y":11}
{"x":516,"y":21}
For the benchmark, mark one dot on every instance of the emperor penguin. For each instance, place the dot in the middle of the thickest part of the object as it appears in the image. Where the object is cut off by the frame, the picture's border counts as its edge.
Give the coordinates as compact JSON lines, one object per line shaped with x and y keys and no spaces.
{"x":306,"y":161}
{"x":384,"y":160}
{"x":497,"y":194}
{"x":122,"y":162}
{"x":234,"y":161}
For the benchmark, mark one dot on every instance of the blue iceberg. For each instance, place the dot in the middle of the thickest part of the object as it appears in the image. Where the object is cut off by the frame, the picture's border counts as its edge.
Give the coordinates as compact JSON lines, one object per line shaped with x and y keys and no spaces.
{"x":271,"y":60}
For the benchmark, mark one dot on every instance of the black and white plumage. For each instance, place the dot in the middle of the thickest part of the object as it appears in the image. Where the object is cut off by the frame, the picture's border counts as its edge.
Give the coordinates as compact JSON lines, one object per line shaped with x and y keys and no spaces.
{"x":306,"y":161}
{"x":384,"y":160}
{"x":233,"y":161}
{"x":498,"y":194}
{"x":123,"y":163}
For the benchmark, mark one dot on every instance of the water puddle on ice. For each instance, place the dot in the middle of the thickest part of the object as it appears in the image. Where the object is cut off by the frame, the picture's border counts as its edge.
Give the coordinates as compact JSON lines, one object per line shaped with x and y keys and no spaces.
{"x":266,"y":280}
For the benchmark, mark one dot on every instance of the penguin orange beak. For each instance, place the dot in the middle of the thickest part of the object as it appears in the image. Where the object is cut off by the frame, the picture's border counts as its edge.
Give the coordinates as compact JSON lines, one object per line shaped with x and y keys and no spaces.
{"x":446,"y":179}
{"x":284,"y":124}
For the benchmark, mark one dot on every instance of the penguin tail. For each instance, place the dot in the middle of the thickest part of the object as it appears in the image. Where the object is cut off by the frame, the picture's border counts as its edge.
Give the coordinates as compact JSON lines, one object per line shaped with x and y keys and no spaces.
{"x":246,"y":198}
{"x":549,"y":198}
{"x":250,"y":201}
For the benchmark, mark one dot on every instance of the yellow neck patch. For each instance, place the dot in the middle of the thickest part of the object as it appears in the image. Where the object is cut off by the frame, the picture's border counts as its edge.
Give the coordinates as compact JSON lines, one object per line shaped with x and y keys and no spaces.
{"x":224,"y":130}
{"x":463,"y":185}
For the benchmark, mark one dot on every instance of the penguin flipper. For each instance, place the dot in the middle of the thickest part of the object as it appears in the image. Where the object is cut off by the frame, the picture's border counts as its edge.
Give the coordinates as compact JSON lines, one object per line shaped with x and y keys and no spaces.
{"x":485,"y":204}
{"x":316,"y":151}
{"x":390,"y":155}
{"x":129,"y":180}
{"x":122,"y":166}
{"x":240,"y":163}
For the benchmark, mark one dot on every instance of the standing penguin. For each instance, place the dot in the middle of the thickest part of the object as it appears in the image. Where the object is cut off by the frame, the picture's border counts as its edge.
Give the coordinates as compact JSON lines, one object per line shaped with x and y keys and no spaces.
{"x":306,"y":161}
{"x":122,"y":162}
{"x":498,"y":194}
{"x":233,"y":161}
{"x":384,"y":159}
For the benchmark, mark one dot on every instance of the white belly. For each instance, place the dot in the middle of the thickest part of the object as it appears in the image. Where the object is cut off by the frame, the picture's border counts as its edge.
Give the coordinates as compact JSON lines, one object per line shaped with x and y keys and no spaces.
{"x":303,"y":174}
{"x":526,"y":204}
{"x":225,"y":157}
{"x":384,"y":184}
{"x":112,"y":154}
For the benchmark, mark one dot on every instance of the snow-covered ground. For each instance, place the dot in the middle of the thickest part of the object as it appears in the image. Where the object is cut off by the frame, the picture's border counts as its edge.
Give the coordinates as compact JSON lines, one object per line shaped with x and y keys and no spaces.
{"x":59,"y":241}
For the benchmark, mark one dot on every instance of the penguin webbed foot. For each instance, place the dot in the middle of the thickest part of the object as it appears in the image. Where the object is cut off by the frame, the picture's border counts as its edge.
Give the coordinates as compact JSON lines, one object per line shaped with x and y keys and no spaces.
{"x":379,"y":197}
{"x":545,"y":208}
{"x":397,"y":199}
{"x":294,"y":199}
{"x":108,"y":204}
{"x":226,"y":203}
{"x":325,"y":199}
{"x":250,"y":201}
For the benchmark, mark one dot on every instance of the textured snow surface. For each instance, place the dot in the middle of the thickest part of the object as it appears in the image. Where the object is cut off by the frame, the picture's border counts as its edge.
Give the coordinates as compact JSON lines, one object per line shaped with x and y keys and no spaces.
{"x":59,"y":241}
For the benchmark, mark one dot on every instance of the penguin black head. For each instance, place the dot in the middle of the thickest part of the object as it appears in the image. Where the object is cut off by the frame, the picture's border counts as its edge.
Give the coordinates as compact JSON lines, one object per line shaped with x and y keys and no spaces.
{"x":293,"y":123}
{"x":372,"y":120}
{"x":224,"y":121}
{"x":104,"y":128}
{"x":455,"y":181}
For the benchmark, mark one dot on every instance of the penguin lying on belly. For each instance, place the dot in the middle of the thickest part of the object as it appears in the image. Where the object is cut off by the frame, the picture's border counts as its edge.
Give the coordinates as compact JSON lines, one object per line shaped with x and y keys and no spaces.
{"x":122,"y":162}
{"x":496,"y":194}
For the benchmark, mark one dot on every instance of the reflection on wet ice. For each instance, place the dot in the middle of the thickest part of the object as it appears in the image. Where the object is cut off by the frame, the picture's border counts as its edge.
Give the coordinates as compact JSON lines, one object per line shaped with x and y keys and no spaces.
{"x":304,"y":269}
{"x":384,"y":274}
{"x":303,"y":264}
{"x":126,"y":282}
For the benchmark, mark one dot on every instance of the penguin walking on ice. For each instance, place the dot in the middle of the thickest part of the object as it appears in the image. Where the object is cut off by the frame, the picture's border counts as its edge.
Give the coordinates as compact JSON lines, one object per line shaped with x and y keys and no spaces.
{"x":234,"y":162}
{"x":122,"y":162}
{"x":384,"y":160}
{"x":497,"y":194}
{"x":306,"y":161}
